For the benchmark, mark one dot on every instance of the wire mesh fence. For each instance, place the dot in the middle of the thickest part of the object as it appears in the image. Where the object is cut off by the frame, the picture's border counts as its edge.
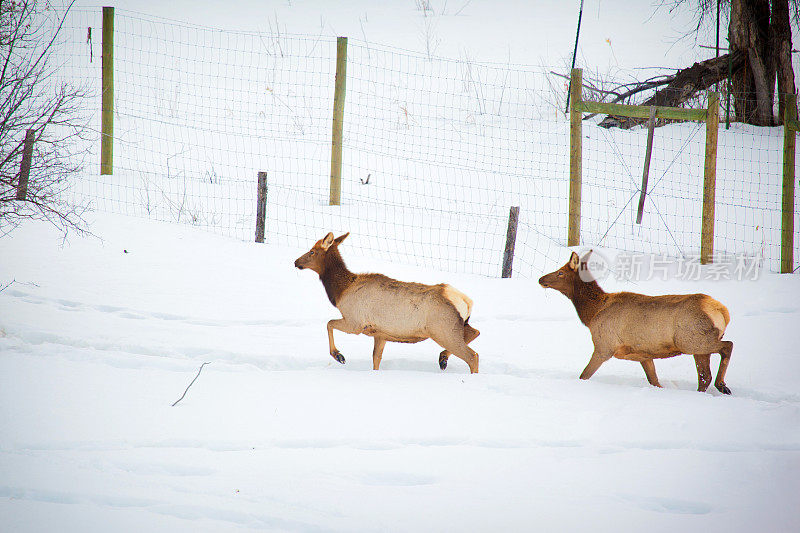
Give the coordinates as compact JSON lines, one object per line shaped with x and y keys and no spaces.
{"x":748,"y":189}
{"x":435,"y":151}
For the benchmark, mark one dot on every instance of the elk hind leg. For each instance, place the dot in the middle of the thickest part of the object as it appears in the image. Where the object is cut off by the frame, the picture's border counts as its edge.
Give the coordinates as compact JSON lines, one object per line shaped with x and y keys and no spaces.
{"x":703,"y":364}
{"x":455,"y":345}
{"x":470,"y":334}
{"x":725,"y":358}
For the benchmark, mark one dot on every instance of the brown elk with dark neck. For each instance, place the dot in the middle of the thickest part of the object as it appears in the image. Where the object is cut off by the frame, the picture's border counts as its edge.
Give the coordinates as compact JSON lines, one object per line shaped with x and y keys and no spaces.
{"x":389,"y":310}
{"x":642,"y":328}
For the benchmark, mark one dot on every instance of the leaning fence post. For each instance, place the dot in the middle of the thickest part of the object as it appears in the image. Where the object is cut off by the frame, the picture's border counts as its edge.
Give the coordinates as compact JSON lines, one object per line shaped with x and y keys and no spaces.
{"x":338,"y":121}
{"x":651,"y":125}
{"x":261,"y":207}
{"x":787,"y":195}
{"x":107,"y":110}
{"x":511,"y":239}
{"x":575,"y":155}
{"x":25,"y":166}
{"x":709,"y":180}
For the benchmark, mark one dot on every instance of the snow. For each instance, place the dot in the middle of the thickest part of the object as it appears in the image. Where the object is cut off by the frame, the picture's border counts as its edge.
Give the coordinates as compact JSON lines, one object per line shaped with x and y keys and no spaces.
{"x":100,"y":335}
{"x":96,"y":344}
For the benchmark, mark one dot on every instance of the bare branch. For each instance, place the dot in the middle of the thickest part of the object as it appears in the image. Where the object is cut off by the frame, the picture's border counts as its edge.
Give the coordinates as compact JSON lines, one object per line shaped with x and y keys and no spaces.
{"x":192,"y":383}
{"x":33,"y":97}
{"x":7,"y":285}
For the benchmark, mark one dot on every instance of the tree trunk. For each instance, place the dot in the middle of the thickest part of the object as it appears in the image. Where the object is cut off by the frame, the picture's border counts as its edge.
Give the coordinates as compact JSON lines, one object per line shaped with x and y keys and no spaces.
{"x":781,"y":45}
{"x":752,"y":87}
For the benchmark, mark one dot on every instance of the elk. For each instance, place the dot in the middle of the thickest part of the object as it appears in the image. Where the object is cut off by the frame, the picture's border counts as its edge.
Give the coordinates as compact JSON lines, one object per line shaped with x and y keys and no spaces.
{"x":642,"y":328}
{"x":389,"y":310}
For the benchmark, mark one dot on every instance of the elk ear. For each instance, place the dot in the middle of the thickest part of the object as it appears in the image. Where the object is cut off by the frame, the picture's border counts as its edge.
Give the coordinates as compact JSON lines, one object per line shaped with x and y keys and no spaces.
{"x":327,"y":241}
{"x":338,"y":240}
{"x":585,"y":258}
{"x":574,"y":261}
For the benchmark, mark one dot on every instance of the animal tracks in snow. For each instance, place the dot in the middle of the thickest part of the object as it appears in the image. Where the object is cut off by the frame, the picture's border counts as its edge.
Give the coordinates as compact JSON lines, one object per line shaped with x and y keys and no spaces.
{"x":136,"y":314}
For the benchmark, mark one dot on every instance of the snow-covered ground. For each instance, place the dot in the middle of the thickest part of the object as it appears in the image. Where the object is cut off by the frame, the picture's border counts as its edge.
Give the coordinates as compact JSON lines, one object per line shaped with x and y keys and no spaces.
{"x":99,"y":337}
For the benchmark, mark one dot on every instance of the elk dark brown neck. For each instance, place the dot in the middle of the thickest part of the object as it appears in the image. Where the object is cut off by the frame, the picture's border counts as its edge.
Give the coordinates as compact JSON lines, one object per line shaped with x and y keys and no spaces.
{"x":588,"y":298}
{"x":335,"y":276}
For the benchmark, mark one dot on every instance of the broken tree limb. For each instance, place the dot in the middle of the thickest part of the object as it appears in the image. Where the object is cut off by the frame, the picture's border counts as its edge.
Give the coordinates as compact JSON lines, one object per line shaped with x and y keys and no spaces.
{"x":683,"y":86}
{"x":622,"y":91}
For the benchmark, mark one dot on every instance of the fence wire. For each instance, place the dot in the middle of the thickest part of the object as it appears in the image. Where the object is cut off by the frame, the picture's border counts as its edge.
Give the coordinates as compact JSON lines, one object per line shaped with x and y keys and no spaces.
{"x":435,"y":151}
{"x":748,"y":189}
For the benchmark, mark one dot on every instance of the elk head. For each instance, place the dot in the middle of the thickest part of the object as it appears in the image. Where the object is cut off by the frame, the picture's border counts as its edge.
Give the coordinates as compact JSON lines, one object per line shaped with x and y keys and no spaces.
{"x":565,"y":278}
{"x":314,"y":259}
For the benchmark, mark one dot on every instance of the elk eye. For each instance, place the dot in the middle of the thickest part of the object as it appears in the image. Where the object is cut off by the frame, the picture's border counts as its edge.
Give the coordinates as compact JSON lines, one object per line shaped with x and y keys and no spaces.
{"x":560,"y":274}
{"x":311,"y":252}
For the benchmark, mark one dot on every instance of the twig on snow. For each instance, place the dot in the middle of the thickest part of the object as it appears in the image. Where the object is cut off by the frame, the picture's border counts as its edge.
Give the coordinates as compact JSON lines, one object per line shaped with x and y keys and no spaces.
{"x":7,"y":285}
{"x":192,"y":383}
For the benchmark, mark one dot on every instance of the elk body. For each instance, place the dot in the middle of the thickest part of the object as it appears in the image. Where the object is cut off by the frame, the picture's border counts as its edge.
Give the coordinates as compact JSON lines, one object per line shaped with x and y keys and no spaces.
{"x":389,"y":310}
{"x":642,"y":328}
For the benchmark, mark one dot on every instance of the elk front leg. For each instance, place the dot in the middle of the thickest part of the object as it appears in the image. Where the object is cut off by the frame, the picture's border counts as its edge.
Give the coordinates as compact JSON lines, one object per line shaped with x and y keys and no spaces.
{"x":377,"y":352}
{"x":598,"y":358}
{"x":650,"y":371}
{"x":342,"y":325}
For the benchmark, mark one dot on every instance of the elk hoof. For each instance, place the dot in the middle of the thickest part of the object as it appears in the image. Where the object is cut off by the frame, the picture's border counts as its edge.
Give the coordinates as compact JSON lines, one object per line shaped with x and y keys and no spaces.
{"x":723,"y":389}
{"x":442,"y":362}
{"x":338,"y":356}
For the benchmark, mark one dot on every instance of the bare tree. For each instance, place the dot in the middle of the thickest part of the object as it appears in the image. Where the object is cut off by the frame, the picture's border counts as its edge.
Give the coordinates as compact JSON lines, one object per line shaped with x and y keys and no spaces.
{"x":33,"y":96}
{"x":759,"y":32}
{"x":758,"y":59}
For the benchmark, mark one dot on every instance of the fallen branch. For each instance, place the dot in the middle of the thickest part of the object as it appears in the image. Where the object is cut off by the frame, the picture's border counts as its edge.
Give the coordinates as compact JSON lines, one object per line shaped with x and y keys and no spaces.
{"x":684,"y":85}
{"x":637,"y":86}
{"x":190,"y":384}
{"x":630,"y":89}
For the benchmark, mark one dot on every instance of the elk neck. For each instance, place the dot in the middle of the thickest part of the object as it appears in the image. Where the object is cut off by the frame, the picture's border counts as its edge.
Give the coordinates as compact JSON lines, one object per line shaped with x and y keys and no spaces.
{"x":335,"y":276}
{"x":588,"y":298}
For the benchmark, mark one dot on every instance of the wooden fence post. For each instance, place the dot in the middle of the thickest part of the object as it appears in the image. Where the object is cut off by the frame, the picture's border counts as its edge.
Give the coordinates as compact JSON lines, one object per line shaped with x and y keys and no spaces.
{"x":709,"y":180}
{"x":787,"y":195}
{"x":651,"y":126}
{"x":575,"y":158}
{"x":107,"y":110}
{"x":25,"y":166}
{"x":261,"y":207}
{"x":338,"y":121}
{"x":511,"y":239}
